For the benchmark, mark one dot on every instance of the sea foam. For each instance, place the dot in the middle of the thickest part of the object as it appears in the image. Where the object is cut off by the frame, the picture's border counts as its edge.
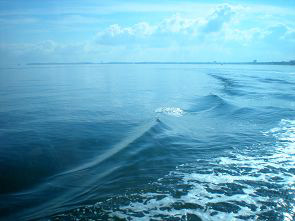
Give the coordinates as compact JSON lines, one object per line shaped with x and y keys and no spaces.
{"x":238,"y":186}
{"x":172,"y":111}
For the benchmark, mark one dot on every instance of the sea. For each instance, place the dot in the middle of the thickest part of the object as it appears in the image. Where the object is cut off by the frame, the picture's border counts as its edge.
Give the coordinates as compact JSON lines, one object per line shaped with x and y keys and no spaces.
{"x":147,"y":142}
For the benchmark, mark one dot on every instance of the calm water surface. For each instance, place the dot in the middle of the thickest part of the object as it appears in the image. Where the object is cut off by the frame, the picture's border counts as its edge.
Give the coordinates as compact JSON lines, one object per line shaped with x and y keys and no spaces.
{"x":147,"y":142}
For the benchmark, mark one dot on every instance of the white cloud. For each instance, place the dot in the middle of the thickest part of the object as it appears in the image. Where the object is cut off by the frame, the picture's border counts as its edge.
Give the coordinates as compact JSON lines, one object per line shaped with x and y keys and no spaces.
{"x":117,"y":35}
{"x":223,"y":33}
{"x":178,"y":24}
{"x":290,"y":35}
{"x":143,"y":29}
{"x":173,"y":29}
{"x":220,"y":16}
{"x":244,"y":37}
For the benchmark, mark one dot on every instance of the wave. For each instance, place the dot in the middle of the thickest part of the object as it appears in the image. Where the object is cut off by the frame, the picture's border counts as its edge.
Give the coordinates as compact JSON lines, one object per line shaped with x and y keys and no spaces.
{"x":244,"y":185}
{"x":229,"y":86}
{"x":284,"y":96}
{"x":134,"y":135}
{"x":68,"y":187}
{"x":213,"y":103}
{"x":274,"y":80}
{"x":172,"y":111}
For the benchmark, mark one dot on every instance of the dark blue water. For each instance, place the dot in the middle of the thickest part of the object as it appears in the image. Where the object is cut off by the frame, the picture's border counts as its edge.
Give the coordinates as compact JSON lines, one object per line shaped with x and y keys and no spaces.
{"x":147,"y":142}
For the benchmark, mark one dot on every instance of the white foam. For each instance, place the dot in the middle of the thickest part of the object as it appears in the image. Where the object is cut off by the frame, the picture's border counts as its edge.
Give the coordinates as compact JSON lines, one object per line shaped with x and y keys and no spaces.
{"x":172,"y":111}
{"x":258,"y":173}
{"x":240,"y":185}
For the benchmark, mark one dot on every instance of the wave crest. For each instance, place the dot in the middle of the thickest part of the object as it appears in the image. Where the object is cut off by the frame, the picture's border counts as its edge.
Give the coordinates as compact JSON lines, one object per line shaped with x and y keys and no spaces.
{"x":172,"y":111}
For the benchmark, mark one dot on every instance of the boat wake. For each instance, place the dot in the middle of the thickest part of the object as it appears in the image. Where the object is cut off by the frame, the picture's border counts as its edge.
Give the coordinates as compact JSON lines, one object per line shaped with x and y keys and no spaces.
{"x":243,"y":185}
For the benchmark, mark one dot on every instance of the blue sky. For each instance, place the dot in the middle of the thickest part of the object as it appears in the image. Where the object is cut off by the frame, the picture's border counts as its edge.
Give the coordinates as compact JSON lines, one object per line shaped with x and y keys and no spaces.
{"x":89,"y":30}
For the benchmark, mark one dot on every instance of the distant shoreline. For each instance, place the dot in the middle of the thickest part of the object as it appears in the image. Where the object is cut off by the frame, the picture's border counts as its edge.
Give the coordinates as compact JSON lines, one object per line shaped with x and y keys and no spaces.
{"x":220,"y":63}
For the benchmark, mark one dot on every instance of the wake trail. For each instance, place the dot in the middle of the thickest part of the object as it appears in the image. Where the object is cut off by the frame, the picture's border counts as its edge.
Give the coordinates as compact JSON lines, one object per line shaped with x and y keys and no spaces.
{"x":133,"y":136}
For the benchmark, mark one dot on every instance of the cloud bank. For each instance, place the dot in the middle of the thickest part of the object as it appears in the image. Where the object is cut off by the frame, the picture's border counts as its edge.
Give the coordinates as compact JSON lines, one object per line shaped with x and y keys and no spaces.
{"x":226,"y":33}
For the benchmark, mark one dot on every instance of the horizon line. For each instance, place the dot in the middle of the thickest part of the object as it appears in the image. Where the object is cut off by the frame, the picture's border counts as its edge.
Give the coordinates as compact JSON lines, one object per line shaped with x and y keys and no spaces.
{"x":291,"y":62}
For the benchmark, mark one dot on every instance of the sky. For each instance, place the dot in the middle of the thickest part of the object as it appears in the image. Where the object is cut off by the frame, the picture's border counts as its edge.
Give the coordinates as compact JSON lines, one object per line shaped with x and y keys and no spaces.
{"x":174,"y":30}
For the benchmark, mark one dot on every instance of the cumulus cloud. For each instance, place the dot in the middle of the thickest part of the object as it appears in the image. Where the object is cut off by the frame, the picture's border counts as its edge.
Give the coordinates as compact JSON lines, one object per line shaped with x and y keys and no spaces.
{"x":222,"y":33}
{"x":173,"y":29}
{"x":276,"y":32}
{"x":143,"y":29}
{"x":280,"y":32}
{"x":244,"y":36}
{"x":178,"y":24}
{"x":114,"y":35}
{"x":290,"y":35}
{"x":118,"y":35}
{"x":219,"y":17}
{"x":184,"y":37}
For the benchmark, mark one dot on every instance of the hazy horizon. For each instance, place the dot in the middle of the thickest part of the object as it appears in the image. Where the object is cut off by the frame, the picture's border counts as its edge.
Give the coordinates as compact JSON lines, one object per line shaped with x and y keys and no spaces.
{"x":174,"y":31}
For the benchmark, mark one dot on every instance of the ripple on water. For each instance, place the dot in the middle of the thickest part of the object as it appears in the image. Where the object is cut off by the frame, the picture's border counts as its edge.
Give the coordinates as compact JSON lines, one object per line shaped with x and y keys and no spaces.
{"x":251,"y":184}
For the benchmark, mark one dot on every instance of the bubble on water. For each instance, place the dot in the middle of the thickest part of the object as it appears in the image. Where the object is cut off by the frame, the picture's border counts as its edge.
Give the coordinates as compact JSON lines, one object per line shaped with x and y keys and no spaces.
{"x":238,"y":186}
{"x":172,"y":111}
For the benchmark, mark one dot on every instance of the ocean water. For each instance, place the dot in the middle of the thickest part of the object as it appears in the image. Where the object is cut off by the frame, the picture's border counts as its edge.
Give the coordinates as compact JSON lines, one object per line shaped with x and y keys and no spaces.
{"x":147,"y":142}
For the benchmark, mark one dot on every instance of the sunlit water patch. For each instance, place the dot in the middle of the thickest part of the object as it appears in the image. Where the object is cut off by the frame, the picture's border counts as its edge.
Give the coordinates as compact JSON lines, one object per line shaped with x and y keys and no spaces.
{"x":257,"y":183}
